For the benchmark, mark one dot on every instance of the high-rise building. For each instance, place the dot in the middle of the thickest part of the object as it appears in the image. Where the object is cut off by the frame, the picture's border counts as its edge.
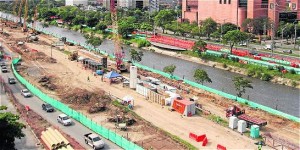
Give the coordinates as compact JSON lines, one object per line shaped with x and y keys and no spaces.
{"x":236,"y":11}
{"x":76,"y":2}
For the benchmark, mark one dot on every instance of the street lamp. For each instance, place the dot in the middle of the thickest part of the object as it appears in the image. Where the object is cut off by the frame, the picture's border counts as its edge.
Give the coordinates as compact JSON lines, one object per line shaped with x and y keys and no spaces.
{"x":282,"y":34}
{"x":295,"y":24}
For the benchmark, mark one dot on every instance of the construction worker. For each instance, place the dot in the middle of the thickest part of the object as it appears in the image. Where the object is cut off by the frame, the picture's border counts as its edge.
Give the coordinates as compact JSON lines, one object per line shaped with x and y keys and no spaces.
{"x":88,"y":79}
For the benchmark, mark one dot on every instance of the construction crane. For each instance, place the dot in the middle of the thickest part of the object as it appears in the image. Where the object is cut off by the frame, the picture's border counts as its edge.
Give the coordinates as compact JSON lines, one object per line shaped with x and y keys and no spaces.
{"x":24,"y":29}
{"x":119,"y":53}
{"x":20,"y":11}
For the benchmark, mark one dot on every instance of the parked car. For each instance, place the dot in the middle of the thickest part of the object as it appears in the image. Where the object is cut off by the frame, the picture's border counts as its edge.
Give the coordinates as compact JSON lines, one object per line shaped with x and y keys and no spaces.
{"x":25,"y":93}
{"x":4,"y":69}
{"x":64,"y":120}
{"x":47,"y":107}
{"x":11,"y":80}
{"x":94,"y":141}
{"x":288,"y":51}
{"x":2,"y":64}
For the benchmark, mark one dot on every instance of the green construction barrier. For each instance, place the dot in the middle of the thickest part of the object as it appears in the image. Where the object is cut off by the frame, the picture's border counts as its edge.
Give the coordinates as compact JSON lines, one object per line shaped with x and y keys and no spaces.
{"x":106,"y":133}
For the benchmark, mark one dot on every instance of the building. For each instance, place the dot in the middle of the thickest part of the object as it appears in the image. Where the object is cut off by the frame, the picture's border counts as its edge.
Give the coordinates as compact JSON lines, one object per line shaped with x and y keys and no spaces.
{"x":152,"y":4}
{"x":76,"y":2}
{"x":236,"y":11}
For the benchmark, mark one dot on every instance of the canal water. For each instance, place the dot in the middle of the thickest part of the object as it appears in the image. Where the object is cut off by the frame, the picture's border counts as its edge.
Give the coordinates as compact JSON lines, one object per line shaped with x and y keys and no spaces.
{"x":285,"y":98}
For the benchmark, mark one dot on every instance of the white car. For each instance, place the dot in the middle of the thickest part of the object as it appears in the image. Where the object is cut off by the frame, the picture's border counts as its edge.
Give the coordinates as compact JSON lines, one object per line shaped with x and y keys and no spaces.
{"x":64,"y":120}
{"x":25,"y":93}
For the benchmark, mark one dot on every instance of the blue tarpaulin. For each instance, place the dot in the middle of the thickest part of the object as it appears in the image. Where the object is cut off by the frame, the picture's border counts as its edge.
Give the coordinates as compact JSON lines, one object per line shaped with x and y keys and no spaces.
{"x":112,"y":74}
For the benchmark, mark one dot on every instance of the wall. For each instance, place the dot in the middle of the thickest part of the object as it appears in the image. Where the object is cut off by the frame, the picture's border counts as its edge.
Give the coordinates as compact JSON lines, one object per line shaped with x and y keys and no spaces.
{"x":219,"y":12}
{"x":254,"y":9}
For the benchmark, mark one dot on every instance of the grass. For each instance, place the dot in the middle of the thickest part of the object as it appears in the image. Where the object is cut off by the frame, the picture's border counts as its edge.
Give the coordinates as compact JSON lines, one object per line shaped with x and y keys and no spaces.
{"x":218,"y":120}
{"x":67,"y":52}
{"x":174,"y":137}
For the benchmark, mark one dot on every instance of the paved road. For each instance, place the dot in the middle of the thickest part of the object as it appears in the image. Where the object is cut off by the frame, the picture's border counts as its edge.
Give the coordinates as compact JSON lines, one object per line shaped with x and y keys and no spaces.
{"x":29,"y":141}
{"x":76,"y":131}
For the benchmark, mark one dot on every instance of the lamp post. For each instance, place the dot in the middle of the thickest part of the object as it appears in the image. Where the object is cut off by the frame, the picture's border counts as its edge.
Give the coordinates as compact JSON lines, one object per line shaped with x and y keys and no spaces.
{"x":282,"y":34}
{"x":295,"y":24}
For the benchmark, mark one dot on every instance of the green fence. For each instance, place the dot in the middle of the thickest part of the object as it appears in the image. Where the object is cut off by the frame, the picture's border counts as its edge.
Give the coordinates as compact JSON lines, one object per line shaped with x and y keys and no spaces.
{"x":106,"y":133}
{"x":223,"y":94}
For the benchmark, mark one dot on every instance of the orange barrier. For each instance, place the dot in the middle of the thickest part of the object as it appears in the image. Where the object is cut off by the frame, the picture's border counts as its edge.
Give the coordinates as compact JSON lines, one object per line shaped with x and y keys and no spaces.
{"x":204,"y":141}
{"x":220,"y":147}
{"x":27,"y":108}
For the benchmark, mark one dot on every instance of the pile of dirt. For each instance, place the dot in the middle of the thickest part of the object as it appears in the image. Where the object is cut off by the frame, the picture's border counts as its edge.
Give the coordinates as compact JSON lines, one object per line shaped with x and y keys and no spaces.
{"x":96,"y":101}
{"x":46,"y":82}
{"x":41,"y":57}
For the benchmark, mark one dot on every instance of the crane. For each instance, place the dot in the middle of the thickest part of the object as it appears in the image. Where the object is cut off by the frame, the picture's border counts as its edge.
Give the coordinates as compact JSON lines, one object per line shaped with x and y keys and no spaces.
{"x":119,"y":53}
{"x":24,"y":29}
{"x":20,"y":10}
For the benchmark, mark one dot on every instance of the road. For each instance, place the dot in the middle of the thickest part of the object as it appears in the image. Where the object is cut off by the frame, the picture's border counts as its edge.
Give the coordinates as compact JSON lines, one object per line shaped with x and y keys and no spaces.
{"x":76,"y":131}
{"x":29,"y":141}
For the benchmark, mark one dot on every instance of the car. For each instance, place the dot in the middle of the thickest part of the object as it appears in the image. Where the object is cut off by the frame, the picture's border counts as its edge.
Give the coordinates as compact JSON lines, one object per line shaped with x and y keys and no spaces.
{"x":11,"y":80}
{"x":288,"y":51}
{"x":4,"y":69}
{"x":47,"y":107}
{"x":25,"y":93}
{"x":64,"y":120}
{"x":2,"y":64}
{"x":94,"y":141}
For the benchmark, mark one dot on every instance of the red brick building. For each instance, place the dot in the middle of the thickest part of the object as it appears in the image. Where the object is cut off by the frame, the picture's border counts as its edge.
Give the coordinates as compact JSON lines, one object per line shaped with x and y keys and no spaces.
{"x":236,"y":11}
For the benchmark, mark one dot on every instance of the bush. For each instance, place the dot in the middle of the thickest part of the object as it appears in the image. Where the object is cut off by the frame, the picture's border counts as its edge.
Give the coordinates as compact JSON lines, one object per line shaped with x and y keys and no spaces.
{"x":270,"y":68}
{"x":294,"y":84}
{"x":292,"y":71}
{"x":224,"y":65}
{"x":54,"y":23}
{"x":266,"y":77}
{"x":251,"y":73}
{"x":280,"y":68}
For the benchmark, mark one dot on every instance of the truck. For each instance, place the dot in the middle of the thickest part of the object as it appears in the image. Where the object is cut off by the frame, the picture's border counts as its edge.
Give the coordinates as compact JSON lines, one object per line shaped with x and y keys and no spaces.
{"x":94,"y":141}
{"x":240,"y":114}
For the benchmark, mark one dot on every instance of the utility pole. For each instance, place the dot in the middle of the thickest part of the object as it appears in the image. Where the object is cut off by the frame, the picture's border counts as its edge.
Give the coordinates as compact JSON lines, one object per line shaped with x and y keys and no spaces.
{"x":295,"y":23}
{"x":273,"y":26}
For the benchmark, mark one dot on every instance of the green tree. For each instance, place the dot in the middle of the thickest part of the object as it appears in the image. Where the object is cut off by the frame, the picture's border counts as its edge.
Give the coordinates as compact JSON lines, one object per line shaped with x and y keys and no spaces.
{"x":199,"y":47}
{"x":241,"y":84}
{"x":208,"y":26}
{"x":227,"y":27}
{"x":201,"y":76}
{"x":169,"y":69}
{"x":234,"y":37}
{"x":126,"y":26}
{"x":93,"y":40}
{"x":146,"y":27}
{"x":10,"y":129}
{"x":164,"y":17}
{"x":101,"y":26}
{"x":136,"y":56}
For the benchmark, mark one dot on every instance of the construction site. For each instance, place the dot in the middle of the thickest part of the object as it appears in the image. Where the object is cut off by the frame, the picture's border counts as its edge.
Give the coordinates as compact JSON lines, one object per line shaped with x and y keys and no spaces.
{"x":149,"y":118}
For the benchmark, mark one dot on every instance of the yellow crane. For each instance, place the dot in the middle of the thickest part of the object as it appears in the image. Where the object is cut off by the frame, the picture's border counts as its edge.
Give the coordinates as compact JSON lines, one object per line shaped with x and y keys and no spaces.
{"x":20,"y":10}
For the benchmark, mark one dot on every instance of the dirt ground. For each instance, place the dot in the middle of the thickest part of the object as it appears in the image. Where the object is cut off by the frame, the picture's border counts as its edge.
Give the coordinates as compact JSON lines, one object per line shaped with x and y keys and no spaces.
{"x":70,"y":75}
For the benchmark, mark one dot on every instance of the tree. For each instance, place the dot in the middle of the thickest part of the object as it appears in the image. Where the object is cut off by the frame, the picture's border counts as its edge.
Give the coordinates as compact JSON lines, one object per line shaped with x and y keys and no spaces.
{"x":10,"y":129}
{"x":101,"y":26}
{"x":234,"y":37}
{"x":146,"y":27}
{"x":208,"y":26}
{"x":136,"y":55}
{"x":201,"y":76}
{"x":227,"y":27}
{"x":169,"y":69}
{"x":241,"y":84}
{"x":126,"y":26}
{"x":164,"y":17}
{"x":199,"y":47}
{"x":93,"y":40}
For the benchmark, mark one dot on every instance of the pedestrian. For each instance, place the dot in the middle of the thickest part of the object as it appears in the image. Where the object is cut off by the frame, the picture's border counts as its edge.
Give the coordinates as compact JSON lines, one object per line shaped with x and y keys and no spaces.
{"x":88,"y":79}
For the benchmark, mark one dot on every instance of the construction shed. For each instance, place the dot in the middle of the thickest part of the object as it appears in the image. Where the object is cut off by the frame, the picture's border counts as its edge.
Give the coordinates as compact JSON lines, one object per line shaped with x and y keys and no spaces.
{"x":184,"y":107}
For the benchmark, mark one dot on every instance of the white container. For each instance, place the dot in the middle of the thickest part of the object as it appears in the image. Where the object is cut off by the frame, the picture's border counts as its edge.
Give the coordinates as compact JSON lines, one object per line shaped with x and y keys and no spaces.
{"x":242,"y":124}
{"x":233,"y":121}
{"x":133,"y":77}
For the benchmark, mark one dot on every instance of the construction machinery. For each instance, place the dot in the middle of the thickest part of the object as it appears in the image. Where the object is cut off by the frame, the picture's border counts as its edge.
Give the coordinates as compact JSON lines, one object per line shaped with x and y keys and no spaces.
{"x":73,"y":56}
{"x":119,"y":53}
{"x":25,"y":29}
{"x":240,"y":114}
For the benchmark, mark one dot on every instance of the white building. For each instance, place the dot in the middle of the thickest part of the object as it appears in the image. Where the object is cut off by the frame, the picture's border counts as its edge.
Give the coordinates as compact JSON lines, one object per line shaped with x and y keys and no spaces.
{"x":76,"y":2}
{"x":152,"y":4}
